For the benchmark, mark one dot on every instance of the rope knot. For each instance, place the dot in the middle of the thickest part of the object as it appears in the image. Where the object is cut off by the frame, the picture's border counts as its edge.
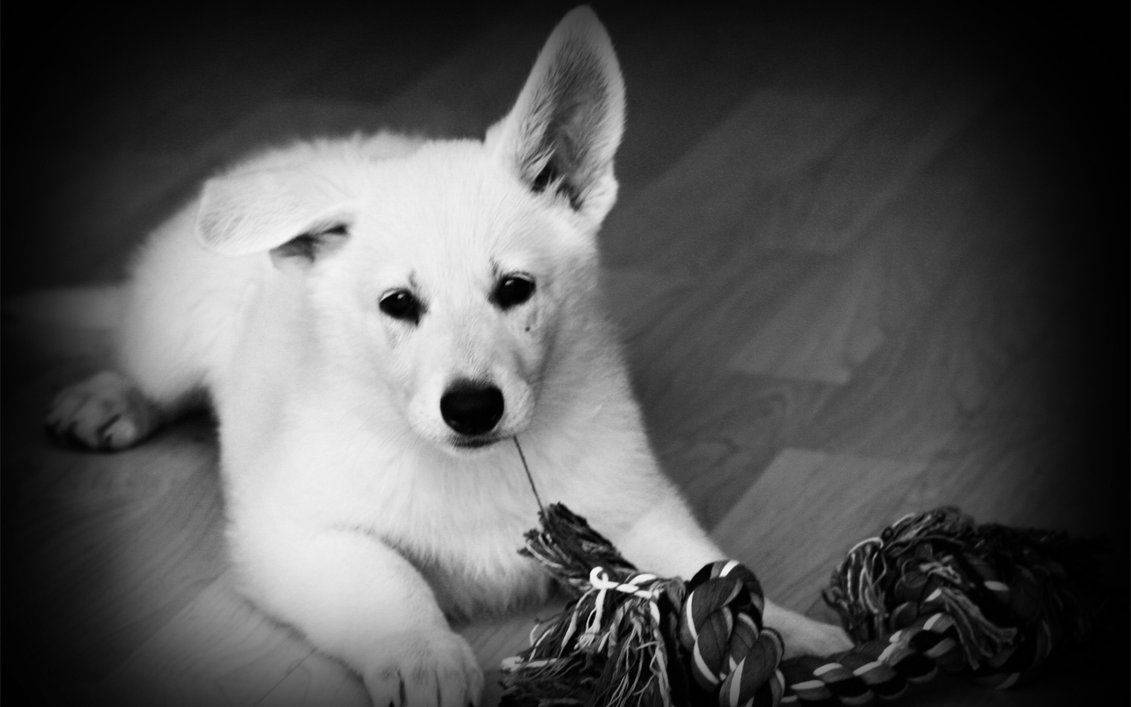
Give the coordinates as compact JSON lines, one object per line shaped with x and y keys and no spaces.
{"x":641,"y":585}
{"x":733,"y":657}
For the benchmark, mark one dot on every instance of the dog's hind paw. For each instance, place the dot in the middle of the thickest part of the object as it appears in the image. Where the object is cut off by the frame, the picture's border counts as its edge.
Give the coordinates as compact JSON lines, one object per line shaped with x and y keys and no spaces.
{"x":104,"y":412}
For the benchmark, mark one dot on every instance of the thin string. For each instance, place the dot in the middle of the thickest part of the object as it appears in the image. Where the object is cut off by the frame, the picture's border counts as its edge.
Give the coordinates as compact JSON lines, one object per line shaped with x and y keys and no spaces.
{"x":529,"y":477}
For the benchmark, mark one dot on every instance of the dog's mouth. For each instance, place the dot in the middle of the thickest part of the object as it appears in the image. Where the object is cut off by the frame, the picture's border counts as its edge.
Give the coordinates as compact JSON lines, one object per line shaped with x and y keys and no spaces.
{"x":474,"y":442}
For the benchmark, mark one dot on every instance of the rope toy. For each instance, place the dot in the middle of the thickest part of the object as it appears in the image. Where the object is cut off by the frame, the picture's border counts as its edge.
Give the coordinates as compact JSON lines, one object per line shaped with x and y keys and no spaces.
{"x":932,"y":592}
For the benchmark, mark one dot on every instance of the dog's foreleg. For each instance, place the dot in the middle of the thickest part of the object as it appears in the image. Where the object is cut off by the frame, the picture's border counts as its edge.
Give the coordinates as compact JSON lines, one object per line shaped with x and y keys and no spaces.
{"x":358,"y":600}
{"x":668,"y":540}
{"x":803,"y":635}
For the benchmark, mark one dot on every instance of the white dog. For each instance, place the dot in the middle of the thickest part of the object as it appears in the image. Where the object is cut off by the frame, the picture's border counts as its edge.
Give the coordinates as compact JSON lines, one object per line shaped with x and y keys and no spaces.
{"x":373,"y":320}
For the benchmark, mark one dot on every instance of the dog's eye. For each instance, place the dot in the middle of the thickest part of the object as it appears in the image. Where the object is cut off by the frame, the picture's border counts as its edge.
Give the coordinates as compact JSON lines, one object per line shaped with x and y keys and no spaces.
{"x":400,"y":304}
{"x":512,"y":291}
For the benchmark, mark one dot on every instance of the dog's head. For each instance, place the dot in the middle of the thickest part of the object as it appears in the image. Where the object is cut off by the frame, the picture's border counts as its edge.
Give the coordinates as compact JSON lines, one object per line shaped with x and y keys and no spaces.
{"x":446,"y":274}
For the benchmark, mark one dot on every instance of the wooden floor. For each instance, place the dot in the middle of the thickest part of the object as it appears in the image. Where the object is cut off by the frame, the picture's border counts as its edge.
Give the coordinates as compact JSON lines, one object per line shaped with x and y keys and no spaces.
{"x":866,"y":262}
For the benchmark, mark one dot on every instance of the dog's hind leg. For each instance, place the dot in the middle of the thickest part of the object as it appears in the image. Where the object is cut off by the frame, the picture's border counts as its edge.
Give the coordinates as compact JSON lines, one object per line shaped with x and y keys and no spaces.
{"x":158,"y":376}
{"x":156,"y":379}
{"x":175,"y":323}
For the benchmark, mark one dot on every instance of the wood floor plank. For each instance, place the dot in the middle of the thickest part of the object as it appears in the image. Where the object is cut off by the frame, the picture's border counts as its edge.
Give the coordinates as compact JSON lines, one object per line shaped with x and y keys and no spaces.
{"x":716,"y":437}
{"x":317,"y":680}
{"x":701,"y":324}
{"x":926,"y":380}
{"x":218,"y":650}
{"x":805,"y":511}
{"x":121,"y":545}
{"x":827,"y":325}
{"x":1028,"y":458}
{"x":792,"y":169}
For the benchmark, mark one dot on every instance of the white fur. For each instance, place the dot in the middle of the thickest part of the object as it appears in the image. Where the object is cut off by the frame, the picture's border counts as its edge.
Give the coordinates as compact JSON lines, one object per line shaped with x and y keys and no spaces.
{"x":352,"y":515}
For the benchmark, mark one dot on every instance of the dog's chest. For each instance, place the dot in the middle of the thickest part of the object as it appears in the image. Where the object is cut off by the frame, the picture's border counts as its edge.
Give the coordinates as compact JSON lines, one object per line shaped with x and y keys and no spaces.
{"x":480,"y":571}
{"x":466,"y":544}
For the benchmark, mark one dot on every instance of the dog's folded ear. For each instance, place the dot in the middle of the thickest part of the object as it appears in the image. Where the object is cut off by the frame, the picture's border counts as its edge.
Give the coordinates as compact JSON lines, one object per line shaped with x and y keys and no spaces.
{"x":564,"y":130}
{"x":293,"y":214}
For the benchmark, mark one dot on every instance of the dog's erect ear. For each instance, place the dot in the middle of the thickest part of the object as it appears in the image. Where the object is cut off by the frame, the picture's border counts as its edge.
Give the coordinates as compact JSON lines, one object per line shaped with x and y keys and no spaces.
{"x":565,"y":128}
{"x":295,"y":215}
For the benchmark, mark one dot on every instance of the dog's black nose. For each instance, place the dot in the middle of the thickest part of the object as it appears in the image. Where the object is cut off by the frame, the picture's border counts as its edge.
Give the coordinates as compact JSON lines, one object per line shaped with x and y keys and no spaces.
{"x":472,"y":408}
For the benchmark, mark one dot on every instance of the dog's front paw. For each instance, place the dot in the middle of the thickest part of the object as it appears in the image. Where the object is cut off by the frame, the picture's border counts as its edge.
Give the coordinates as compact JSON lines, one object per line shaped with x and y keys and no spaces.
{"x":429,"y":667}
{"x":804,"y":636}
{"x":104,"y":412}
